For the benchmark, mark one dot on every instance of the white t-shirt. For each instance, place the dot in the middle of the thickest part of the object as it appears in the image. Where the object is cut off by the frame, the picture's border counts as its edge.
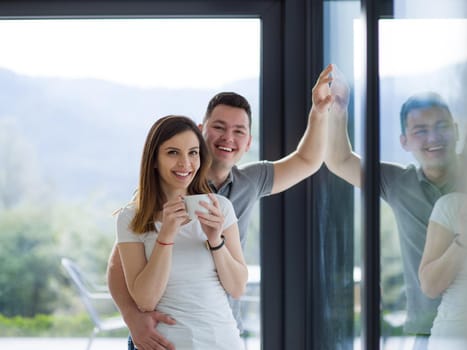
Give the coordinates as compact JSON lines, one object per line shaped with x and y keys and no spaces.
{"x":449,"y":329}
{"x":194,"y":296}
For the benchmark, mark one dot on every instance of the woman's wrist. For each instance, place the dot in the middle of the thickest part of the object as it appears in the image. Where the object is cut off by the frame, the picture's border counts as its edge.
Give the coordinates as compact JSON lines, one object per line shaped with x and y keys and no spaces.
{"x":164,"y":243}
{"x":165,"y":239}
{"x":216,"y":243}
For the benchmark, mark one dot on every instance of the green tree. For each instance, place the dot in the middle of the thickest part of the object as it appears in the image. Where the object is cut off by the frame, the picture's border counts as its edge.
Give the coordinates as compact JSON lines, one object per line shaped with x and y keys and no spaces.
{"x":28,"y":282}
{"x":19,"y":174}
{"x":33,"y":238}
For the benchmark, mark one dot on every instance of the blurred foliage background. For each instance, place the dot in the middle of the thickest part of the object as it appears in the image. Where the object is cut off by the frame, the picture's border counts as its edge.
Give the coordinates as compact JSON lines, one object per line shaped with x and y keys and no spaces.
{"x":36,"y":297}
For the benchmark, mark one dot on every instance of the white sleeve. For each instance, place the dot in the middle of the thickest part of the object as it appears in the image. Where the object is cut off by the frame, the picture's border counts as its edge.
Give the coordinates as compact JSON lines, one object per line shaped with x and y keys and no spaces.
{"x":228,"y":211}
{"x":124,"y":233}
{"x":446,"y":210}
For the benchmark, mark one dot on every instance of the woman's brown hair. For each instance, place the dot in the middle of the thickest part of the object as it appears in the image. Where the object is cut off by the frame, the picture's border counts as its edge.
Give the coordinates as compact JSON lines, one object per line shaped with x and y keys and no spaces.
{"x":150,"y":197}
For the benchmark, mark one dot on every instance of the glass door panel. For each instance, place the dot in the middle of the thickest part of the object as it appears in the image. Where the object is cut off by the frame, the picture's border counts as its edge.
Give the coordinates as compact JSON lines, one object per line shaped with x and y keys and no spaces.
{"x":423,"y":64}
{"x":422,"y":48}
{"x":78,"y":98}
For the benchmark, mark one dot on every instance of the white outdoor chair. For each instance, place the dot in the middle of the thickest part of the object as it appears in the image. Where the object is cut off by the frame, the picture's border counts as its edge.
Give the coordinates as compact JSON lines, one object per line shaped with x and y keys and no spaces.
{"x":90,"y":295}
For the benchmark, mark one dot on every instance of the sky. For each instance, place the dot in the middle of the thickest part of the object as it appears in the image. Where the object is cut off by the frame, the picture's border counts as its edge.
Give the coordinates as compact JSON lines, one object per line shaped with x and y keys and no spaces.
{"x":177,"y":53}
{"x":172,"y":53}
{"x":413,"y":46}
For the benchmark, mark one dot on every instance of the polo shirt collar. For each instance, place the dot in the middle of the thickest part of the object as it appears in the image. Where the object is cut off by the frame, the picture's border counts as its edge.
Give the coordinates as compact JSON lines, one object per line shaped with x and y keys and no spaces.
{"x":224,"y":186}
{"x":450,"y":183}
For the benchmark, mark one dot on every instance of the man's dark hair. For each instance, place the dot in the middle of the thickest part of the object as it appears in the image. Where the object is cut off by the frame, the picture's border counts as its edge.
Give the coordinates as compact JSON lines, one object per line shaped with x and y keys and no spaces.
{"x":418,"y":101}
{"x":231,"y":99}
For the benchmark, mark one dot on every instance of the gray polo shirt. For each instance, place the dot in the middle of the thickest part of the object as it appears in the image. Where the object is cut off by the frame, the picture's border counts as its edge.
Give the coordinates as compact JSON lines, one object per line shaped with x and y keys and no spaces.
{"x":244,"y":186}
{"x":412,"y":197}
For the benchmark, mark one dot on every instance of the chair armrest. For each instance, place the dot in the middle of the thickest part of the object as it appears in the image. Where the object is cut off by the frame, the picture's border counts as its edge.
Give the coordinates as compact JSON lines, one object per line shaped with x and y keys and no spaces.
{"x":100,"y":296}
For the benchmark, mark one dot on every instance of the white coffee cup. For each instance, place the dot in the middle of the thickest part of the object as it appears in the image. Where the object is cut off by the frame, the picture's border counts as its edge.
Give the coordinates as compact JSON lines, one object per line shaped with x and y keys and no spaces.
{"x":192,"y":204}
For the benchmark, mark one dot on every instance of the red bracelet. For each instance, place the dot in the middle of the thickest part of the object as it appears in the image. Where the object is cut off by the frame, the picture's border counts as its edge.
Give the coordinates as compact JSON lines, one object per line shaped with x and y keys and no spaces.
{"x":163,"y":243}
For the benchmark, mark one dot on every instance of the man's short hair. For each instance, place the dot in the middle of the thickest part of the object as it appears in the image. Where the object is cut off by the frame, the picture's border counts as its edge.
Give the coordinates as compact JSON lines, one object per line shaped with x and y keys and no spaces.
{"x":418,"y":101}
{"x":231,"y":99}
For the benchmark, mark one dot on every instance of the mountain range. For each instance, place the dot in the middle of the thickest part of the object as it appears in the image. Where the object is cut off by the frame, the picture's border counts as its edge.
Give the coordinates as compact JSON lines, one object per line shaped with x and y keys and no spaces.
{"x":81,"y":136}
{"x":86,"y":135}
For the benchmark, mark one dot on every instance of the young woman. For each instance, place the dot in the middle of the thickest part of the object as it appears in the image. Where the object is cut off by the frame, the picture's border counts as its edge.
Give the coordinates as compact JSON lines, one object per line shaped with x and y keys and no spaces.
{"x":175,"y":265}
{"x":443,"y":268}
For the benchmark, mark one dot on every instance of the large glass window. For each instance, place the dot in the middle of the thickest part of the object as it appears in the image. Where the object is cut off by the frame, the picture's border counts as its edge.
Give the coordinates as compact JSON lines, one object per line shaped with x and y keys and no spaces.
{"x":78,"y":98}
{"x":345,"y":205}
{"x":419,"y":54}
{"x":422,"y":48}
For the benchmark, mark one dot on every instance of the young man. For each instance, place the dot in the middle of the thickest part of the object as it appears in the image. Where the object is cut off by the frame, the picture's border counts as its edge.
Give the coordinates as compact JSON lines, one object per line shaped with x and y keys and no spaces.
{"x":430,"y":134}
{"x":227,"y":130}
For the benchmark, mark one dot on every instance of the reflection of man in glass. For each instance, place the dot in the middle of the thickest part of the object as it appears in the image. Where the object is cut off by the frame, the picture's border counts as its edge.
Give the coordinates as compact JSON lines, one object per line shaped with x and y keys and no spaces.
{"x":430,"y":135}
{"x":227,"y":131}
{"x":443,"y":269}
